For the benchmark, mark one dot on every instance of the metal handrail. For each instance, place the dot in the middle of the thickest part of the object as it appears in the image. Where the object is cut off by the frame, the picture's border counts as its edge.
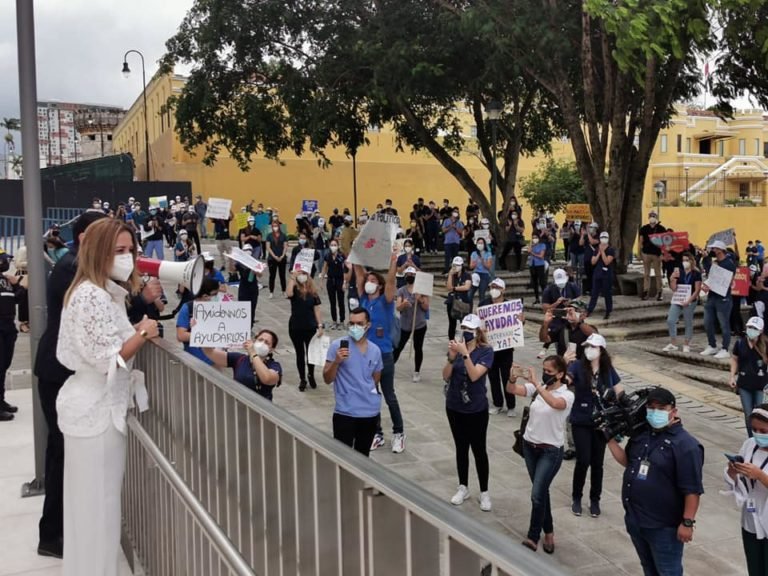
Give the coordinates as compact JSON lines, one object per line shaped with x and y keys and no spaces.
{"x":225,"y":547}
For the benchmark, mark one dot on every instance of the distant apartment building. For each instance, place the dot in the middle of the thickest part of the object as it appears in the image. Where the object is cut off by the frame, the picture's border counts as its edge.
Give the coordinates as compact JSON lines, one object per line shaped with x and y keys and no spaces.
{"x":71,"y":132}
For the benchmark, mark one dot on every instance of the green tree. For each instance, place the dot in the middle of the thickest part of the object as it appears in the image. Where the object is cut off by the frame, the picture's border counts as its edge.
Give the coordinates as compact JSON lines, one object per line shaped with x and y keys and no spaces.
{"x":273,"y":76}
{"x":553,"y":185}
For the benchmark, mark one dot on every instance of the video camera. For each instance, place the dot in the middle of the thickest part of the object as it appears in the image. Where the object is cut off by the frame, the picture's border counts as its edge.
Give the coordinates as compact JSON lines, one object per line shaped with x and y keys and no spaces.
{"x":621,"y":414}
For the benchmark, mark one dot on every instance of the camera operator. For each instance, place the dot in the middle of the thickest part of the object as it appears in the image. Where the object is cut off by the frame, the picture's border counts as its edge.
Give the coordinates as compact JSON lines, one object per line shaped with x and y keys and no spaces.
{"x":662,"y":485}
{"x":557,"y":296}
{"x":573,"y":330}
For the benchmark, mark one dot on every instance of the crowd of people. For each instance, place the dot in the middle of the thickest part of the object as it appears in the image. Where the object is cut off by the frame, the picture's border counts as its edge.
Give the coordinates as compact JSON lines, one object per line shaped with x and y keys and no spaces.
{"x":375,"y":316}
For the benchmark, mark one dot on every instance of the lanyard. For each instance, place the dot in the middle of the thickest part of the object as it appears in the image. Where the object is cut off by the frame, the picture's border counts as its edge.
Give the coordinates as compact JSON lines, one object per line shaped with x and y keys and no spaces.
{"x":762,"y":467}
{"x":688,"y":277}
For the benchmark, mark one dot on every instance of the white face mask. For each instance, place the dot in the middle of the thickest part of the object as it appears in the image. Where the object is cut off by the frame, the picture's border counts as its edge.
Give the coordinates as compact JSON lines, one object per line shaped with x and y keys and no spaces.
{"x":481,"y":246}
{"x":653,"y":221}
{"x":260,"y":348}
{"x":486,"y":226}
{"x":408,"y":249}
{"x":301,"y":278}
{"x":455,"y":214}
{"x":495,"y":293}
{"x":334,"y":248}
{"x":591,"y":353}
{"x":122,"y":267}
{"x":603,"y":240}
{"x":686,"y":265}
{"x":561,"y":283}
{"x":371,"y":288}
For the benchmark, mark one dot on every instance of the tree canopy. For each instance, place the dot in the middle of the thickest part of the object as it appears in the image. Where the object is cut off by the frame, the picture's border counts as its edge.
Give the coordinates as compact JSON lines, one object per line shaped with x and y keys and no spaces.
{"x":553,"y":185}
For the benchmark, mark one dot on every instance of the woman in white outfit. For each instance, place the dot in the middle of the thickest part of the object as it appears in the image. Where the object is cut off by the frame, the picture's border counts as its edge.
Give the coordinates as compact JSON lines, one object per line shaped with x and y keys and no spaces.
{"x":98,"y":342}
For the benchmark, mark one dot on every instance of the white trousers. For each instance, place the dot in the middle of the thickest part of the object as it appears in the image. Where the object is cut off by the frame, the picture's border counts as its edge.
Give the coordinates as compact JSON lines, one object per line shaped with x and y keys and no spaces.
{"x":93,"y":479}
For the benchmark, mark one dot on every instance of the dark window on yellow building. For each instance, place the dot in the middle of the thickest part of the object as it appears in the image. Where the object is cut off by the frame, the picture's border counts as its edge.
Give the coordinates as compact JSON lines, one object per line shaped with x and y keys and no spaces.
{"x":679,"y":143}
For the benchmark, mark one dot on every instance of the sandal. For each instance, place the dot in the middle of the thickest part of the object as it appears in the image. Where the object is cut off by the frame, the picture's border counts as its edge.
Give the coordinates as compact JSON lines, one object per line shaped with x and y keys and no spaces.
{"x":530,"y":544}
{"x":24,"y":327}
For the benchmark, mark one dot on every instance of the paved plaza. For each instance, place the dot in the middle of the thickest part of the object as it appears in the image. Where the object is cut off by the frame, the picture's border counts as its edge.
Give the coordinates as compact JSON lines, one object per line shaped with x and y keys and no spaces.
{"x":585,"y":546}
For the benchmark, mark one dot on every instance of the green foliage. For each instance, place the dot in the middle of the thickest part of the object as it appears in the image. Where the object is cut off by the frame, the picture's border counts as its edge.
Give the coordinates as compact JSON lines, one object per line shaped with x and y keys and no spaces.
{"x":553,"y":185}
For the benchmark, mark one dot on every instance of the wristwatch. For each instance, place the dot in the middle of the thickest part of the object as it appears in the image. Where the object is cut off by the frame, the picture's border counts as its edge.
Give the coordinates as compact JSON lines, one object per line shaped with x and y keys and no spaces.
{"x":688,"y":522}
{"x":465,"y":356}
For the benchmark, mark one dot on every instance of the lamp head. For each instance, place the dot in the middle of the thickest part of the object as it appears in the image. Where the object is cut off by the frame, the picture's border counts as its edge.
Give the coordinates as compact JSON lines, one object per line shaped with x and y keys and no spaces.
{"x":493,"y":109}
{"x":126,"y":70}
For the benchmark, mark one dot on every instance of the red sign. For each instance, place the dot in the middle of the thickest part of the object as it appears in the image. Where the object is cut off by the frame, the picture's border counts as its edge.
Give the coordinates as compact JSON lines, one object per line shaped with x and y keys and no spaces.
{"x":671,"y":241}
{"x":740,"y":284}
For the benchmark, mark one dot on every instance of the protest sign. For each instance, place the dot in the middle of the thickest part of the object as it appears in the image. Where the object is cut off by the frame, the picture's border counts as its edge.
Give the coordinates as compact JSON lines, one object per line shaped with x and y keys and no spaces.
{"x":398,"y":245}
{"x":484,"y":234}
{"x":674,"y":241}
{"x":681,"y":295}
{"x":318,"y":350}
{"x":245,"y":259}
{"x":424,"y":284}
{"x":740,"y":284}
{"x":373,"y":245}
{"x":158,"y":201}
{"x":725,"y":236}
{"x":220,"y":324}
{"x":578,"y":212}
{"x":503,"y":324}
{"x":241,"y":220}
{"x":304,"y":260}
{"x":309,"y":205}
{"x":218,"y":208}
{"x":719,"y":280}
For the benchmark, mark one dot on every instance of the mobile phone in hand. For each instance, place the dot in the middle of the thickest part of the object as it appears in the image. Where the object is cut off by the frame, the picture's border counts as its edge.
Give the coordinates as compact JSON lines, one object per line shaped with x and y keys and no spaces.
{"x":735,"y":458}
{"x":344,"y":344}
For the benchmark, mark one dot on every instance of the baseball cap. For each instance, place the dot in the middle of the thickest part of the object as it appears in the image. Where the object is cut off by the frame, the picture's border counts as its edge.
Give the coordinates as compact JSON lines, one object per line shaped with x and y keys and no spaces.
{"x":756,"y":322}
{"x":578,"y":305}
{"x":5,"y":255}
{"x":560,"y":274}
{"x":595,"y":340}
{"x":410,"y":270}
{"x":718,"y":244}
{"x":183,"y":233}
{"x":207,"y":256}
{"x":471,"y":321}
{"x":604,"y":235}
{"x":247,"y":248}
{"x":652,"y":214}
{"x":662,"y":396}
{"x":499,"y":282}
{"x":458,"y":261}
{"x":347,"y":218}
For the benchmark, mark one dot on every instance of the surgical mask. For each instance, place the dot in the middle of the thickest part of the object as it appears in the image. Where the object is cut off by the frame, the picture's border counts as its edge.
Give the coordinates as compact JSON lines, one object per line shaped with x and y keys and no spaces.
{"x":410,"y":279}
{"x":275,"y":229}
{"x":468,"y":336}
{"x":760,"y":439}
{"x":455,"y":214}
{"x":561,"y":283}
{"x":356,"y":332}
{"x":302,"y":241}
{"x":591,"y":353}
{"x":456,"y":268}
{"x":577,"y":227}
{"x":548,"y":379}
{"x":301,"y":278}
{"x":535,"y":241}
{"x":260,"y":348}
{"x":408,"y":249}
{"x":122,"y":267}
{"x":486,"y":226}
{"x":653,"y":221}
{"x":495,"y":293}
{"x":481,"y":246}
{"x":604,"y":241}
{"x":686,"y":265}
{"x":753,"y":333}
{"x":371,"y":288}
{"x":658,"y":419}
{"x":334,"y":248}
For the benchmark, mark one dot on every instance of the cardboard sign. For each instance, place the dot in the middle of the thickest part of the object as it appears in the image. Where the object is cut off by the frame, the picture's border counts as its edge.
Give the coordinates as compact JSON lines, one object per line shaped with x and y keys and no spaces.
{"x":241,"y":220}
{"x":674,"y":241}
{"x":682,"y":294}
{"x":578,"y":212}
{"x":503,"y":324}
{"x":220,"y":324}
{"x":304,"y":260}
{"x":424,"y":284}
{"x":484,"y":234}
{"x":309,"y":205}
{"x":740,"y":284}
{"x":245,"y":259}
{"x":158,"y":201}
{"x":373,"y":245}
{"x":218,"y":208}
{"x":719,"y":280}
{"x":725,"y":236}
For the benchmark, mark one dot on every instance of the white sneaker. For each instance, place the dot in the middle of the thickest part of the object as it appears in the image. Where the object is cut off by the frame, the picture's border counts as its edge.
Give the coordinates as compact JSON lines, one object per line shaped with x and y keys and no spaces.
{"x":271,"y":295}
{"x":485,"y":501}
{"x":512,"y":413}
{"x":493,"y":410}
{"x":670,"y":348}
{"x":687,"y":349}
{"x":398,"y":443}
{"x":709,"y":351}
{"x":723,"y":354}
{"x":542,"y":354}
{"x":461,"y":494}
{"x":416,"y":377}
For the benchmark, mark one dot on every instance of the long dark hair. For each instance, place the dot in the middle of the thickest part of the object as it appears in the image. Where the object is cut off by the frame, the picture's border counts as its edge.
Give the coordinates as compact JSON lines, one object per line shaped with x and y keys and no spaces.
{"x":605,"y":366}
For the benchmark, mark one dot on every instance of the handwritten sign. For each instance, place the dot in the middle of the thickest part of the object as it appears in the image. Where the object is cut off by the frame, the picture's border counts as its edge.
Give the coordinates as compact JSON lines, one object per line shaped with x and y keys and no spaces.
{"x":578,"y":212}
{"x":218,"y":208}
{"x":245,"y":259}
{"x":241,"y":220}
{"x":158,"y":201}
{"x":725,"y":236}
{"x":373,"y":245}
{"x":424,"y":284}
{"x":503,"y":324}
{"x":719,"y":280}
{"x":484,"y":234}
{"x":740,"y":284}
{"x":220,"y":324}
{"x":681,"y":295}
{"x":674,"y":241}
{"x":304,"y":260}
{"x":309,"y":205}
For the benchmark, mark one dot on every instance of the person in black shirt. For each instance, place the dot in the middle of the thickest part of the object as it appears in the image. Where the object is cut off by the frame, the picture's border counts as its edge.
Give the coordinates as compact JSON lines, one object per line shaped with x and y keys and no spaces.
{"x":429,"y":216}
{"x":152,"y":234}
{"x":334,"y":270}
{"x":248,"y":287}
{"x":650,"y":253}
{"x":502,"y":360}
{"x":11,"y":293}
{"x":305,"y":322}
{"x":336,"y":221}
{"x":189,"y":222}
{"x":446,"y":210}
{"x":515,"y":228}
{"x":749,"y":368}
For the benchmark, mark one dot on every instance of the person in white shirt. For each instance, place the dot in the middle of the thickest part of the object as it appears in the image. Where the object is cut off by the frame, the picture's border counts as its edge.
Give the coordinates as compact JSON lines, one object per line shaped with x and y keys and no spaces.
{"x":543,"y":439}
{"x":98,"y":343}
{"x":747,"y":478}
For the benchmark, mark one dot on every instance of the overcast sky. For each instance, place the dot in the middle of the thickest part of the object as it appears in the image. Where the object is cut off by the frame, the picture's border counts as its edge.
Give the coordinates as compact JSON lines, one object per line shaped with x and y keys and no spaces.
{"x":80,"y":48}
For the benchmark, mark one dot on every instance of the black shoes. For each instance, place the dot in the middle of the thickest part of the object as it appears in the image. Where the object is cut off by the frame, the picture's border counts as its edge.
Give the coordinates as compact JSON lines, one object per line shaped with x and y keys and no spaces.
{"x":645,"y":295}
{"x":607,"y":316}
{"x":569,"y":455}
{"x":576,"y":507}
{"x":53,"y":549}
{"x":312,"y":383}
{"x":302,"y":386}
{"x":594,"y":508}
{"x":5,"y":416}
{"x":5,"y":407}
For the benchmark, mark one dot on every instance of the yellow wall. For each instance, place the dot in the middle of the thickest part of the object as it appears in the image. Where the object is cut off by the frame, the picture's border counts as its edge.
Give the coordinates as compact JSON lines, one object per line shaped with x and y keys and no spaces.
{"x":701,"y":223}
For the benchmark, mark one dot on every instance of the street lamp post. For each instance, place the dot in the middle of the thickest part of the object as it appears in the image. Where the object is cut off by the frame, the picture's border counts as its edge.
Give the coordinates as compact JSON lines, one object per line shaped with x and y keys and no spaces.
{"x":659,"y":188}
{"x":687,"y":168}
{"x":354,"y":183}
{"x":493,"y":109}
{"x":126,"y":73}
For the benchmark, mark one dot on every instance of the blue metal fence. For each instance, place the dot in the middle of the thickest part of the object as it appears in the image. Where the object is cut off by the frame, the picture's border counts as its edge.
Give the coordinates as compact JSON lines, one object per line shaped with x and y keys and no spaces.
{"x":62,"y":214}
{"x":12,"y":231}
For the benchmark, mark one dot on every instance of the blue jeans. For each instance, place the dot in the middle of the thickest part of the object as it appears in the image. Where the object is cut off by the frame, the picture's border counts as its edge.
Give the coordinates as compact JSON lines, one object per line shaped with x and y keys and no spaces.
{"x":660,"y":552}
{"x":674,"y":315}
{"x":388,"y":391}
{"x":485,"y":280}
{"x":577,"y":263}
{"x":543,"y":464}
{"x":451,"y":251}
{"x":203,"y":227}
{"x":718,"y":309}
{"x":750,"y":399}
{"x":156,"y":247}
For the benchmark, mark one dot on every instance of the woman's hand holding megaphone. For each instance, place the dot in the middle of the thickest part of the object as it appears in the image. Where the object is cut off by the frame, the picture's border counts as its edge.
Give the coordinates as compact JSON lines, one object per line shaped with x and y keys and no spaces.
{"x":152,"y":291}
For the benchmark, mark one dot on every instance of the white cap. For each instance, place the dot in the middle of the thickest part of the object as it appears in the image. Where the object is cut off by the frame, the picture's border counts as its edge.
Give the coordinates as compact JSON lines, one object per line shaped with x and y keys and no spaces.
{"x":471,"y":321}
{"x":250,"y":219}
{"x":410,"y":270}
{"x":458,"y":261}
{"x":604,"y":235}
{"x":756,"y":322}
{"x":475,"y":279}
{"x":595,"y":340}
{"x":183,"y":233}
{"x":247,"y":247}
{"x":321,"y":222}
{"x":348,"y":218}
{"x":499,"y":282}
{"x":560,"y":274}
{"x":484,"y":221}
{"x":207,"y":256}
{"x":719,"y":244}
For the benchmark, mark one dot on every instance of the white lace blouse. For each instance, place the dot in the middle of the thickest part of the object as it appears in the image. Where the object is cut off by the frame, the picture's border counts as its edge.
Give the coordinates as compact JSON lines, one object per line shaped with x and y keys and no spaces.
{"x":94,"y":326}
